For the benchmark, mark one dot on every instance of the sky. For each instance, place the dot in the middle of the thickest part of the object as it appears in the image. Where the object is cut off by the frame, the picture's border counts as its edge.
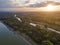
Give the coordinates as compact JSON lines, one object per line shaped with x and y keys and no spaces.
{"x":19,"y":3}
{"x":10,"y":4}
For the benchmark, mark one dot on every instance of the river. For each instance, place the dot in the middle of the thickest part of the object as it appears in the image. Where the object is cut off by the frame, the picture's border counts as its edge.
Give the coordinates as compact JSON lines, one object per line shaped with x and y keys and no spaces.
{"x":7,"y":37}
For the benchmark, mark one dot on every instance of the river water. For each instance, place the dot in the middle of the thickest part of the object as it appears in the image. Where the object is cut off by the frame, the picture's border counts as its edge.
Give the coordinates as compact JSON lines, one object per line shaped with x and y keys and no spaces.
{"x":7,"y":37}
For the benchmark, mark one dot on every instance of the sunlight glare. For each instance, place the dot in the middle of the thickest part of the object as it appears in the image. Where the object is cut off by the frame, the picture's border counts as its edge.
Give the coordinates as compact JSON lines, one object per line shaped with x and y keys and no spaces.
{"x":50,"y":7}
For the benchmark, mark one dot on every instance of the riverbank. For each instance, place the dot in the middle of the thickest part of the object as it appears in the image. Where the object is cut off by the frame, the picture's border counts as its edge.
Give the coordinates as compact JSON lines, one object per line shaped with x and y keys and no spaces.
{"x":19,"y":35}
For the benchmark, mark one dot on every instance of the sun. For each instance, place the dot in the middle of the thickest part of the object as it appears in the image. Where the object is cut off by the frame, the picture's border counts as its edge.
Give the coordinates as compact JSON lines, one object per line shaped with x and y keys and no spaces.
{"x":50,"y":8}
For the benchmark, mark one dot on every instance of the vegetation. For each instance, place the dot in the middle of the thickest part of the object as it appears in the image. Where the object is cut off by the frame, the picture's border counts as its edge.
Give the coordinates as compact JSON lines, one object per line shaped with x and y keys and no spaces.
{"x":38,"y":35}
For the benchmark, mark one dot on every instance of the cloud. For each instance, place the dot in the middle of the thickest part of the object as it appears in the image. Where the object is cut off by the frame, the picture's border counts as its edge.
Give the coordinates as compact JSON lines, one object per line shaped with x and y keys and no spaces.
{"x":43,"y":4}
{"x":21,"y":3}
